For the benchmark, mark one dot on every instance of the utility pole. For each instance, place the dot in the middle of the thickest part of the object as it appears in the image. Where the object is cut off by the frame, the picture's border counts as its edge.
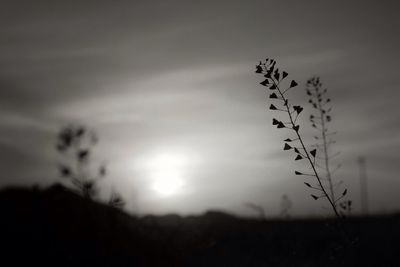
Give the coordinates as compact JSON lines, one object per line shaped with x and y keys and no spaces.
{"x":363,"y":185}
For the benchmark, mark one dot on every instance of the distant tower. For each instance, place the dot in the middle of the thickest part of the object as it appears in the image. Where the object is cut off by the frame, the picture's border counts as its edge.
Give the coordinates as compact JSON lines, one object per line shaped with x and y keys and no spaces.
{"x":363,"y":185}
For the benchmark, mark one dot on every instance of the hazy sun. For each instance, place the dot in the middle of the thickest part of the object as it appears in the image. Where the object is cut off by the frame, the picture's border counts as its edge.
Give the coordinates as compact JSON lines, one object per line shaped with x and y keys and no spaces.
{"x":166,"y":173}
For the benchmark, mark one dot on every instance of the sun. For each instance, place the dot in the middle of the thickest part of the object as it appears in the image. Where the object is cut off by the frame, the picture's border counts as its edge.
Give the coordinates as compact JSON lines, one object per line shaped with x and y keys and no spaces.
{"x":166,"y":173}
{"x":167,"y":184}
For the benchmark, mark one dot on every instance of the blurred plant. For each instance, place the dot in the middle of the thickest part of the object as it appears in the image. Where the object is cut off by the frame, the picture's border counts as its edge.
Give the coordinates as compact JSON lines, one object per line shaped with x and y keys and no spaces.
{"x":116,"y":200}
{"x":273,"y":81}
{"x":75,"y":143}
{"x":320,"y":120}
{"x":286,"y":206}
{"x":346,"y":206}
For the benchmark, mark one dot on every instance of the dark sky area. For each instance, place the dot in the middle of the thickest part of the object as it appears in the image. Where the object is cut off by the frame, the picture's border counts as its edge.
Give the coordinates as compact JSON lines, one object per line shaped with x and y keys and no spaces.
{"x":173,"y":83}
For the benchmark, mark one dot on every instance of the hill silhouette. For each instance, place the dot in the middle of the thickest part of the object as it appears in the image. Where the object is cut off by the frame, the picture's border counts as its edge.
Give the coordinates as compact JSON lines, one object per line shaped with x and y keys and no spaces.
{"x":56,"y":227}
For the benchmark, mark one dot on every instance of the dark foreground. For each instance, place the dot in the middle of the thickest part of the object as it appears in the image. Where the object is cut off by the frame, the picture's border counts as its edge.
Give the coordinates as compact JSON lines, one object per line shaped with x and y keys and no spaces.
{"x":55,"y":227}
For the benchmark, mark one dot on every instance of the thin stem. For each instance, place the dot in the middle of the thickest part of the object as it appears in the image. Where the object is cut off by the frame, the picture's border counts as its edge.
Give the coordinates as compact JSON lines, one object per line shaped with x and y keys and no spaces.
{"x":325,"y":148}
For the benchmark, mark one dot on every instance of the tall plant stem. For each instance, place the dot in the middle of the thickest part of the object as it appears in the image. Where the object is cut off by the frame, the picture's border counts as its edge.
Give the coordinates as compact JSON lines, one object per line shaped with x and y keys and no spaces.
{"x":325,"y":146}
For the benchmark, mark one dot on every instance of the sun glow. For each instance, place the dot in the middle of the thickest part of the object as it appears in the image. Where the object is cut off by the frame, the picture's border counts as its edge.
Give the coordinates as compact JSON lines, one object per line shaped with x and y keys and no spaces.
{"x":166,"y":173}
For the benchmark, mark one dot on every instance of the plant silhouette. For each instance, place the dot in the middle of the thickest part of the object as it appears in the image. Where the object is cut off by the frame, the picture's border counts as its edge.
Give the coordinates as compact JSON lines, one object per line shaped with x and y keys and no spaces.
{"x":116,"y":200}
{"x":274,"y":79}
{"x":75,"y":143}
{"x":321,"y":104}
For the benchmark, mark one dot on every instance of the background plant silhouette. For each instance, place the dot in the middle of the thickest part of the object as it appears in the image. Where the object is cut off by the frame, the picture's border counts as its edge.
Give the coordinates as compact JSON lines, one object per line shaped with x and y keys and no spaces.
{"x":274,"y":81}
{"x":75,"y":143}
{"x":116,"y":200}
{"x":320,"y":119}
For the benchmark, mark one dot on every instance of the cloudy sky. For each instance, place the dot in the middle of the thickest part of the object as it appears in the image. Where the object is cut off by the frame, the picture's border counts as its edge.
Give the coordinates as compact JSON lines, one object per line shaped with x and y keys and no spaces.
{"x":169,"y":86}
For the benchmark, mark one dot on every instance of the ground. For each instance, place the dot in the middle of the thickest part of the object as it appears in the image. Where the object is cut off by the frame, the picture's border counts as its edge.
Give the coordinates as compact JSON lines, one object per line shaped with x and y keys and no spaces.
{"x":56,"y":227}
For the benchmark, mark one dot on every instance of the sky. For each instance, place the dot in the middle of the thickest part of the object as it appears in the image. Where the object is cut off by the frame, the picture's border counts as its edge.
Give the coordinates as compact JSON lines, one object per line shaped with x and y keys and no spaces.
{"x":170,"y":89}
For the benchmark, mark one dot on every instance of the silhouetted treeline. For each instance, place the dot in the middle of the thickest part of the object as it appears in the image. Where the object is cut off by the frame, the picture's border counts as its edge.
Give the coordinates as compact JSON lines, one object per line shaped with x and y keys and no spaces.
{"x":56,"y":227}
